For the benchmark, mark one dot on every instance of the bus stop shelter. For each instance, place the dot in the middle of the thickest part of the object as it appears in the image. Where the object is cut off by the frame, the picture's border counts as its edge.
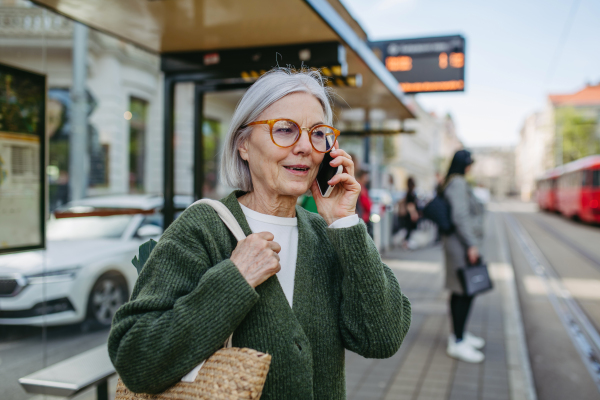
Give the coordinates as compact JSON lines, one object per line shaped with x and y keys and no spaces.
{"x":227,"y":44}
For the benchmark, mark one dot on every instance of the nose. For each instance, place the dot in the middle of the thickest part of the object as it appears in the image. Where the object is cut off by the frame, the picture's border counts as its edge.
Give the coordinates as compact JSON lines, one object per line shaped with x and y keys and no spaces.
{"x":303,"y":145}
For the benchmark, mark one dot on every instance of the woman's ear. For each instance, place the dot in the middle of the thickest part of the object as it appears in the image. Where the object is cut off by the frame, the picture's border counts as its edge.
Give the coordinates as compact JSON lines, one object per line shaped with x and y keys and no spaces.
{"x":243,"y":149}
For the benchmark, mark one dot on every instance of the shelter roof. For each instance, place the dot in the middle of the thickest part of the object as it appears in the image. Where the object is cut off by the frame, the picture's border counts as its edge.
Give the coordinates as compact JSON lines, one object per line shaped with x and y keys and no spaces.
{"x":163,"y":26}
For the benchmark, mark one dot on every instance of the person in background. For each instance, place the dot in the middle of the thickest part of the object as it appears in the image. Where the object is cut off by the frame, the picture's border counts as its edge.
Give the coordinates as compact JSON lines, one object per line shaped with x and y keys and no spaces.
{"x":411,"y":215}
{"x":439,"y":188}
{"x":363,"y":206}
{"x":461,"y":248}
{"x":308,"y":203}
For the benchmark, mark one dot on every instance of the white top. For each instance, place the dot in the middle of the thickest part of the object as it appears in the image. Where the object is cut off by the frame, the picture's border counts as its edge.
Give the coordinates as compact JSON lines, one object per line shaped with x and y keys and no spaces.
{"x":285,"y":231}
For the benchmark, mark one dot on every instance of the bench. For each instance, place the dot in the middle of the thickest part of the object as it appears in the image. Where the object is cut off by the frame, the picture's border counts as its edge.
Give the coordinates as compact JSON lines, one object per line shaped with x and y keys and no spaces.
{"x":74,"y":375}
{"x":91,"y":368}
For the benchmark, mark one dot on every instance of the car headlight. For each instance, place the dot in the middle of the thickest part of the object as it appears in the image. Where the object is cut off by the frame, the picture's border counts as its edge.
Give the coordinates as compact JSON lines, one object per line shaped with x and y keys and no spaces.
{"x":63,"y":275}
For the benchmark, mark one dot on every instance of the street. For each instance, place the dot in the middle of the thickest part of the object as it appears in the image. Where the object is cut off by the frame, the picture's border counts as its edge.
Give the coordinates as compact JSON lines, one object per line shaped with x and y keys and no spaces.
{"x":568,"y":259}
{"x":560,"y":368}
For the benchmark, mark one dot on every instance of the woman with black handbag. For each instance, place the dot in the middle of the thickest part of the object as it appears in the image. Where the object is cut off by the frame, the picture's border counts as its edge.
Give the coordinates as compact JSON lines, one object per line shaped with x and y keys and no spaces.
{"x":461,"y":248}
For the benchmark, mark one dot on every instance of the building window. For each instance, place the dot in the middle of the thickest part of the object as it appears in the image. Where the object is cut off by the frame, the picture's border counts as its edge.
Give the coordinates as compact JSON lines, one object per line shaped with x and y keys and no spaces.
{"x":137,"y":144}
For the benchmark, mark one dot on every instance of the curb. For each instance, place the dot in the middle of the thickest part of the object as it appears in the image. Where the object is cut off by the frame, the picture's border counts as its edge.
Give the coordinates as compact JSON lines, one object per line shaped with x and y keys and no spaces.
{"x":517,"y":355}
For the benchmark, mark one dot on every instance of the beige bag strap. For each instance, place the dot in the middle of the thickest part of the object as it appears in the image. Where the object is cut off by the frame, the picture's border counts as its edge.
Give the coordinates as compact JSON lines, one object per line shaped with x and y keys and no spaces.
{"x":226,"y":216}
{"x":235,"y":228}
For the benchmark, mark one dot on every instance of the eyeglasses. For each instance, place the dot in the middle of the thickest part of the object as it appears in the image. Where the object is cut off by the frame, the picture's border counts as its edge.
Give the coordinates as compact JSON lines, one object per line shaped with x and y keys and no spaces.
{"x":286,"y":133}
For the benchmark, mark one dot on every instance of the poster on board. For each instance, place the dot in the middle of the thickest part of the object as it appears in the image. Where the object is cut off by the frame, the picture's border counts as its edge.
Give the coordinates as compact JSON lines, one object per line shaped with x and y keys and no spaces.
{"x":22,"y":149}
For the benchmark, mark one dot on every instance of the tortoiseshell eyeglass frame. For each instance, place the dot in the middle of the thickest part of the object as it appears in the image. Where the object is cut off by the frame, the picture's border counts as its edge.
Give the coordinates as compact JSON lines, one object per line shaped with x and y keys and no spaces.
{"x":272,"y":122}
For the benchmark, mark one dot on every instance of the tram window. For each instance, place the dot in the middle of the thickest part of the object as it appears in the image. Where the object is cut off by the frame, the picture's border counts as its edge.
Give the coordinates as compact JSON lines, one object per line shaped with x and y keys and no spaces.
{"x":596,"y":178}
{"x":587,"y":178}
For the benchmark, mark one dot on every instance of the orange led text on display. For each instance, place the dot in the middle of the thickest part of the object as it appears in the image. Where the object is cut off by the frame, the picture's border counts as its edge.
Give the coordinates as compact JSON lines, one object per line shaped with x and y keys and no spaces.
{"x":443,"y":60}
{"x":432,"y":86}
{"x":399,"y":63}
{"x":457,"y":60}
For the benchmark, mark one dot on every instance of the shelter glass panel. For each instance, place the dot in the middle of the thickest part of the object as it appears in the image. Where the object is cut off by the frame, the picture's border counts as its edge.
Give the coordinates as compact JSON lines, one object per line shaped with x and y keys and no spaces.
{"x":104,"y":134}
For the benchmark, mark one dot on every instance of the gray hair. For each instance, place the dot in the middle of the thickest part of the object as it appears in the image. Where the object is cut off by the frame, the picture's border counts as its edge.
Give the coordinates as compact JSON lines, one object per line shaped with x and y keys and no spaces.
{"x":269,"y":88}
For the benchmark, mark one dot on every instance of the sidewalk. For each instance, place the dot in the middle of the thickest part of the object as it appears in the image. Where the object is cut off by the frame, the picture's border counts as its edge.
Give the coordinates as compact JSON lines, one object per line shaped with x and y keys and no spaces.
{"x":421,"y":370}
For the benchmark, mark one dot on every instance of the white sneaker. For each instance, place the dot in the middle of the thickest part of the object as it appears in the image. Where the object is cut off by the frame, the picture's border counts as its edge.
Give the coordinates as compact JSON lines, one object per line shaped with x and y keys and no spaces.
{"x":474,"y":341}
{"x":464,"y":351}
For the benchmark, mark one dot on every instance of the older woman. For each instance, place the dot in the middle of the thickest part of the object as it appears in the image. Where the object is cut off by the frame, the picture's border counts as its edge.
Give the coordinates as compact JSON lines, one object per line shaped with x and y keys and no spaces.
{"x":303,"y":287}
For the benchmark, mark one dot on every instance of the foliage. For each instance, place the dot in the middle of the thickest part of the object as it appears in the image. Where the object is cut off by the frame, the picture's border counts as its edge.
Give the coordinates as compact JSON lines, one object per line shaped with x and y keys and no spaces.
{"x":578,"y":131}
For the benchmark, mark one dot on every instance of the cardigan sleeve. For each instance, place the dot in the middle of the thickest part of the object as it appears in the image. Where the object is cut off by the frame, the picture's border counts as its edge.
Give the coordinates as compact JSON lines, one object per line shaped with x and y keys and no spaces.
{"x":374,"y":314}
{"x":181,"y":311}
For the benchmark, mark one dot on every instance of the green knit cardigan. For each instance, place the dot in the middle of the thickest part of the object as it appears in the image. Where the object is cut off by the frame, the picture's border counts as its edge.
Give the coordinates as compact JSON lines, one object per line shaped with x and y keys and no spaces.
{"x":189,"y":297}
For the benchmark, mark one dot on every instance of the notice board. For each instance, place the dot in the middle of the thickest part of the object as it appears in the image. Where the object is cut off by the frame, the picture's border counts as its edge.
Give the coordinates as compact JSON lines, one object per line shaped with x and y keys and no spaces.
{"x":434,"y":64}
{"x":22,"y":155}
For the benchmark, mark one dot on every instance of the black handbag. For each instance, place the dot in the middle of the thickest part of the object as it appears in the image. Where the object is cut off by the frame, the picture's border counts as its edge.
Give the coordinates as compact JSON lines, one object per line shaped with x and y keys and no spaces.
{"x":475,"y":279}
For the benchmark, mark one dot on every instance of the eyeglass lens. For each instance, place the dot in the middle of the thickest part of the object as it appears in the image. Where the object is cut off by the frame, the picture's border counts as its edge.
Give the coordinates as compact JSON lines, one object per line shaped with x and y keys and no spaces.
{"x":285,"y":133}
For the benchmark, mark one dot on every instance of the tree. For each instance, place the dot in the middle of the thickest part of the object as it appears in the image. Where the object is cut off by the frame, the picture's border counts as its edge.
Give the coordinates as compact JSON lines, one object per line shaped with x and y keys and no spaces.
{"x":578,"y":131}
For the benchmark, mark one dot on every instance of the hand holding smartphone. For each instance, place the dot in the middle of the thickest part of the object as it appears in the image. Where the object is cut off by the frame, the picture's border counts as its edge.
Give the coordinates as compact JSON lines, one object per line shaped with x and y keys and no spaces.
{"x":326,"y":172}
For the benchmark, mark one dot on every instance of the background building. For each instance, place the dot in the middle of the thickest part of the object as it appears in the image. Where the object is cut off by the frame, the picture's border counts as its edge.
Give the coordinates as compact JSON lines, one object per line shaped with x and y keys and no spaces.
{"x":494,"y":169}
{"x":124,"y":88}
{"x":567,"y":129}
{"x":123,"y":97}
{"x":426,"y":152}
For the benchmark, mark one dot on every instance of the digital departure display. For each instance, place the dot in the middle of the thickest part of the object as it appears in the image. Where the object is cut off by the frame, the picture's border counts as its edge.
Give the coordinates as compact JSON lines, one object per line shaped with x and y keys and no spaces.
{"x":435,"y":64}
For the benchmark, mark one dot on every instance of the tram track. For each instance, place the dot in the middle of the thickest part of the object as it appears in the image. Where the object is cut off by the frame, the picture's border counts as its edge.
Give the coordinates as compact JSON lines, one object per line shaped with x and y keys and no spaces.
{"x":594,"y":260}
{"x":578,"y":326}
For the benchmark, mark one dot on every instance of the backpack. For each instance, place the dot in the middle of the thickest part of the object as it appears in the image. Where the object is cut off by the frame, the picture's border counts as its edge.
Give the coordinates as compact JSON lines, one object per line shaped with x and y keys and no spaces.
{"x":438,"y":211}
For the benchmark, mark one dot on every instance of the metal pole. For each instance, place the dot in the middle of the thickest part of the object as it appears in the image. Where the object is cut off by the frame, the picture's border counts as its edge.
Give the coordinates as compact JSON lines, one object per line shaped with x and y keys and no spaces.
{"x":198,"y":142}
{"x":379,"y":158}
{"x":169,"y":149}
{"x":78,"y":152}
{"x":367,"y":147}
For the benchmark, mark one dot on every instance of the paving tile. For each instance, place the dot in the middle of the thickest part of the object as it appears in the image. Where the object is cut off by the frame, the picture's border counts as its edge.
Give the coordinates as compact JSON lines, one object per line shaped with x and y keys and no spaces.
{"x":422,"y":370}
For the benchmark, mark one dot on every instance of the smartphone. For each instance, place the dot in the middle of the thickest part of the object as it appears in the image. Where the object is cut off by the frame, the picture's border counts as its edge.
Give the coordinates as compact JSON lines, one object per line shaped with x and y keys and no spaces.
{"x":326,"y":172}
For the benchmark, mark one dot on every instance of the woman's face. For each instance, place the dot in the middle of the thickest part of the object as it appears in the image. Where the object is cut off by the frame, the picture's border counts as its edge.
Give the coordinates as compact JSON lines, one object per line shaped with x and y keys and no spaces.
{"x":286,"y":171}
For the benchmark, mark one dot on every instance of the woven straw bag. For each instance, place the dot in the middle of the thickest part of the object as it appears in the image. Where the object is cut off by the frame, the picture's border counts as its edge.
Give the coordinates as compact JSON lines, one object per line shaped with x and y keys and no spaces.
{"x":231,"y":373}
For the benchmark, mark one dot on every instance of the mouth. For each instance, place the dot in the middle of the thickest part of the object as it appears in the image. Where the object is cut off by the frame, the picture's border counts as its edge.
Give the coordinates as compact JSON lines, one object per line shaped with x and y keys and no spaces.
{"x":297,"y":169}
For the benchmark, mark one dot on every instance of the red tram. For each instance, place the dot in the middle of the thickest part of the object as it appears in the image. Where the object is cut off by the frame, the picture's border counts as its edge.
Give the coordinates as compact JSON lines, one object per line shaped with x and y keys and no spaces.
{"x":572,"y":189}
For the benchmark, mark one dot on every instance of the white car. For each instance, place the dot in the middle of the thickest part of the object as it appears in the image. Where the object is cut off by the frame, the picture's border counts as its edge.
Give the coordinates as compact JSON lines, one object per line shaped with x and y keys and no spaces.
{"x":86,"y":270}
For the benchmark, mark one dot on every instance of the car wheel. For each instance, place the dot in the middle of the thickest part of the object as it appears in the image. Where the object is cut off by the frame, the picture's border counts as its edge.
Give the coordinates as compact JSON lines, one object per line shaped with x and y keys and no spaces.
{"x":107,"y":295}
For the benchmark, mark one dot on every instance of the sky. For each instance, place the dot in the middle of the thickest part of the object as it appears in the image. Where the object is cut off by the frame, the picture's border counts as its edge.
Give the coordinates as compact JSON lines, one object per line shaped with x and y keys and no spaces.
{"x":517,"y":52}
